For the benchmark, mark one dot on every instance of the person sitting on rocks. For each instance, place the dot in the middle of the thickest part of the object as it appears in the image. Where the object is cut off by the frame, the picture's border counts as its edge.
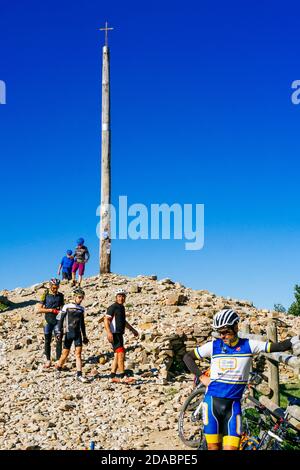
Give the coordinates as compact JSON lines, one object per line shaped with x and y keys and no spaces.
{"x":72,"y":323}
{"x":50,"y":304}
{"x":115,"y":324}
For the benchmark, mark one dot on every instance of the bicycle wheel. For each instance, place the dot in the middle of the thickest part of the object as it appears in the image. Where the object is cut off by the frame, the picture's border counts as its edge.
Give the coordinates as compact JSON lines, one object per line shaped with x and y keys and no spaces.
{"x":190,"y":424}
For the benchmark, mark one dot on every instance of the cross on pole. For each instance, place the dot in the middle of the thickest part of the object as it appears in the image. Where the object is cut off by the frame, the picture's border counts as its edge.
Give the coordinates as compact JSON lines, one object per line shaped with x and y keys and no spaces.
{"x":106,"y":29}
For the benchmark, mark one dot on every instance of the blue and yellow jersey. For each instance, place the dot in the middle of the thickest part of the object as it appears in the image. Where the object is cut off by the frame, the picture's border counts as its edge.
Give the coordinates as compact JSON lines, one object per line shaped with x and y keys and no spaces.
{"x":230,"y":365}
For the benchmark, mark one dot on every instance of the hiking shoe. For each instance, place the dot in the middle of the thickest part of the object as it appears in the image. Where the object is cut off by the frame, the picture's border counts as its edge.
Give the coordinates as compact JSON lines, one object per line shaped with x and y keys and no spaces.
{"x":82,"y":379}
{"x":123,"y":380}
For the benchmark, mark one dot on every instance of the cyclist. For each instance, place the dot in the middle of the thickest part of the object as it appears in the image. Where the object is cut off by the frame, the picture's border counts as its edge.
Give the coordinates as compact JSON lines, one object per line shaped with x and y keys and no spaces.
{"x":231,"y":359}
{"x":81,"y":257}
{"x":50,"y":303}
{"x":66,"y":265}
{"x":115,"y":324}
{"x":72,"y":322}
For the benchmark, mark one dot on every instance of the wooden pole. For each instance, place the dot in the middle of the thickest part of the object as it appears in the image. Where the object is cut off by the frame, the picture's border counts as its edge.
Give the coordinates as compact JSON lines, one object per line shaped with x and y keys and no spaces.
{"x":105,"y":230}
{"x":273,"y":366}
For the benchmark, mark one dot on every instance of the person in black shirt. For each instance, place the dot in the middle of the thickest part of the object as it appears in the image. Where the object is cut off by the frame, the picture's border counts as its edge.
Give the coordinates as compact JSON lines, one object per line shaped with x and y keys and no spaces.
{"x":51,"y":302}
{"x":71,"y":323}
{"x":115,"y":324}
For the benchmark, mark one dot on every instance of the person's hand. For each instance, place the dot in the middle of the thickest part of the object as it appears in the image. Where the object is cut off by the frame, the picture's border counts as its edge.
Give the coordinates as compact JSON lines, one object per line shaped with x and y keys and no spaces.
{"x":85,"y":340}
{"x":205,"y":380}
{"x":59,"y":337}
{"x":110,"y":337}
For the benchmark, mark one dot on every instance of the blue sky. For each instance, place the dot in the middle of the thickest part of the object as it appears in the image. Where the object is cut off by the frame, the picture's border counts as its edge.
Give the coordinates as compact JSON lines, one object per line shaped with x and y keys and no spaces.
{"x":201,"y":113}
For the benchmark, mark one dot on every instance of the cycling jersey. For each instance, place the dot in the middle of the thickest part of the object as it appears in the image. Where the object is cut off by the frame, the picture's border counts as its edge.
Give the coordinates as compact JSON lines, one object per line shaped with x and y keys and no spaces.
{"x":81,"y":254}
{"x":66,"y":264}
{"x":230,"y":365}
{"x":72,"y":321}
{"x":55,"y":301}
{"x":116,"y":312}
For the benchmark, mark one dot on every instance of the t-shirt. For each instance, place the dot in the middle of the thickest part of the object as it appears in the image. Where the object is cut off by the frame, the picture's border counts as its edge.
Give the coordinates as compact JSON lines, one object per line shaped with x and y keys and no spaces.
{"x":67,"y":264}
{"x":72,"y":319}
{"x":81,"y":254}
{"x":230,"y":365}
{"x":49,"y":300}
{"x":117,"y":313}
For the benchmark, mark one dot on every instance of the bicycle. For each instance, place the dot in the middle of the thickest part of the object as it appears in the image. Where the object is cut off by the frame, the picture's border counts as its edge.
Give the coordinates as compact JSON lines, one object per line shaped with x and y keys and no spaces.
{"x":263,"y":427}
{"x":267,"y":427}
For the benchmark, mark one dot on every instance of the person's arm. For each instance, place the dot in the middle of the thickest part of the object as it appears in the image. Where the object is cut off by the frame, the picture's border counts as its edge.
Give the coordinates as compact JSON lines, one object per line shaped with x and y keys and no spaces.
{"x":204,"y":351}
{"x":87,"y":256}
{"x":59,"y":269}
{"x":82,"y":326}
{"x":133,"y":330}
{"x":283,"y":345}
{"x":189,"y":359}
{"x":107,"y":321}
{"x":43,"y":309}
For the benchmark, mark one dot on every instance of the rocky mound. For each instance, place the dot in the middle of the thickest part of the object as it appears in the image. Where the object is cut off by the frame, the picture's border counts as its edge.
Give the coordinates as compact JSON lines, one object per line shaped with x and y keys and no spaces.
{"x":38,"y":410}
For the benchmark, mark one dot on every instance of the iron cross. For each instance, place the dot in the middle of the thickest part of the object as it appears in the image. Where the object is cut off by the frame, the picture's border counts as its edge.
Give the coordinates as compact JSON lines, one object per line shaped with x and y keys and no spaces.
{"x":106,"y":29}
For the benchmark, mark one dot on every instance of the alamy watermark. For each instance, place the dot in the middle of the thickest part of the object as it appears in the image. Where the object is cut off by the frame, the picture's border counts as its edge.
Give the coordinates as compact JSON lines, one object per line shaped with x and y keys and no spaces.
{"x":2,"y":92}
{"x":156,"y":222}
{"x":295,"y":96}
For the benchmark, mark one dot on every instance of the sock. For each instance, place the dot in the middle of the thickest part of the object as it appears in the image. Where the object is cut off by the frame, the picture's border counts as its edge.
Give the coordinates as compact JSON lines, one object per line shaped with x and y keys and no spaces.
{"x":79,"y":373}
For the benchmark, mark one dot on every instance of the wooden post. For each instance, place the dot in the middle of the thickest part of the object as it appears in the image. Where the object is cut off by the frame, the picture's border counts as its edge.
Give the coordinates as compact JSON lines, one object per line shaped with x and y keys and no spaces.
{"x":105,"y":226}
{"x":273,"y":366}
{"x":245,"y":330}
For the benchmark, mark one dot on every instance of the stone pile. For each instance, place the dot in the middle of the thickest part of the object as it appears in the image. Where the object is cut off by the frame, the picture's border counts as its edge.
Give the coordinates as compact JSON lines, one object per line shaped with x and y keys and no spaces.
{"x":38,"y":410}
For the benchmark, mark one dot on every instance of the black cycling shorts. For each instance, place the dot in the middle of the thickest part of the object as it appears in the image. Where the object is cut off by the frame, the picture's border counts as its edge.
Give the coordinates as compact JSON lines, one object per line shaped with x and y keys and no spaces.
{"x":118,"y":341}
{"x":69,"y":340}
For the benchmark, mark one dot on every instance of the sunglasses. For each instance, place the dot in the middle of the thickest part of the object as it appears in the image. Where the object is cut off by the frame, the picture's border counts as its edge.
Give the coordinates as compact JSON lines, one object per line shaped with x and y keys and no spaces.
{"x":225,"y":332}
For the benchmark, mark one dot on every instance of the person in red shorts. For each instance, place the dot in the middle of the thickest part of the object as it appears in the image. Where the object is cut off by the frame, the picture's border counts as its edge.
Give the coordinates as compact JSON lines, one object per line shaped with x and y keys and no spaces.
{"x":115,"y":324}
{"x":81,"y":257}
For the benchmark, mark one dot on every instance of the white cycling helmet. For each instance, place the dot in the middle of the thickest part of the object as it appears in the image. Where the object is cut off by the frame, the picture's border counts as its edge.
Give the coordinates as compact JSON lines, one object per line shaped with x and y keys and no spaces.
{"x":225,"y":317}
{"x":120,"y":292}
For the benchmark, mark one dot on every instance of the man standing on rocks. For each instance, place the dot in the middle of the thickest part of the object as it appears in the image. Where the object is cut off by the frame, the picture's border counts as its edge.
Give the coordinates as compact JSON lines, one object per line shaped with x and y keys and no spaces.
{"x":231,"y":359}
{"x":115,"y":324}
{"x":50,"y":304}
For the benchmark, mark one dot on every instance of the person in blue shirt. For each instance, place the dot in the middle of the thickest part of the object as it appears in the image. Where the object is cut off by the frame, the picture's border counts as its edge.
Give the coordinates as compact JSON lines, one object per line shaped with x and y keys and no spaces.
{"x":66,"y":265}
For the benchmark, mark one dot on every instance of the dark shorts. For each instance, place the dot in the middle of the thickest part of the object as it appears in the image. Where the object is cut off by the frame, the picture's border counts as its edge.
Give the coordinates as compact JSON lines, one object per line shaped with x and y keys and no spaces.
{"x":118,"y":342}
{"x":67,"y":275}
{"x":69,"y":340}
{"x":80,"y":267}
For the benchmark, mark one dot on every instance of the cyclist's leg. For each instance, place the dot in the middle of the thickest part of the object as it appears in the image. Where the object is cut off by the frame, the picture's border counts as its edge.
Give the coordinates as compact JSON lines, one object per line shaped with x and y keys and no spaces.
{"x":58,"y":342}
{"x":211,"y":424}
{"x":232,"y":426}
{"x":74,"y":270}
{"x":48,"y":336}
{"x":65,"y":353}
{"x":81,"y":270}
